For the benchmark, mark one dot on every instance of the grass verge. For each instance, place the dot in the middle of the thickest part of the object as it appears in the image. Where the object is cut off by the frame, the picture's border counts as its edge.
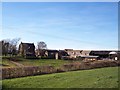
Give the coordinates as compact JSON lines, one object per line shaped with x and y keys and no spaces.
{"x":95,"y":78}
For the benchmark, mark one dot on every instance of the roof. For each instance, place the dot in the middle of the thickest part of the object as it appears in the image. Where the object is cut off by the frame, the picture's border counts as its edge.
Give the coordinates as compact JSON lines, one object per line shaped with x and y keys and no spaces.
{"x":68,"y":49}
{"x":105,"y":52}
{"x":27,"y":43}
{"x":85,"y":52}
{"x":89,"y":56}
{"x":51,"y":50}
{"x":113,"y":53}
{"x":99,"y":52}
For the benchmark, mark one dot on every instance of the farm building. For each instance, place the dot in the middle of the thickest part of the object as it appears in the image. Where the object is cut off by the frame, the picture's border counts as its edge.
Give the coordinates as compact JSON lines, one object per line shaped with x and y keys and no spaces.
{"x":46,"y":53}
{"x":62,"y":54}
{"x":73,"y":53}
{"x":52,"y":54}
{"x":80,"y":54}
{"x":40,"y":52}
{"x":101,"y":54}
{"x":105,"y":54}
{"x":76,"y":53}
{"x":27,"y":50}
{"x":113,"y":55}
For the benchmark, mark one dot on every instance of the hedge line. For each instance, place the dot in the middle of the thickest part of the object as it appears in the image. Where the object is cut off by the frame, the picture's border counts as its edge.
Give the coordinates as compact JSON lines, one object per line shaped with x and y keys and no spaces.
{"x":38,"y":70}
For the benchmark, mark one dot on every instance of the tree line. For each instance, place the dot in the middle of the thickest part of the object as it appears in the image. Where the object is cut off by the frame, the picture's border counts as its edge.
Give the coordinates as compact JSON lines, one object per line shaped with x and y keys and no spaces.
{"x":9,"y":46}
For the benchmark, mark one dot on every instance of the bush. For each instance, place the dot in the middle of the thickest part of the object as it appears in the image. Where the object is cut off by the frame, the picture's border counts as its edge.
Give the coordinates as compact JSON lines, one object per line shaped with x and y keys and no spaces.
{"x":26,"y":71}
{"x":104,"y":63}
{"x":38,"y":70}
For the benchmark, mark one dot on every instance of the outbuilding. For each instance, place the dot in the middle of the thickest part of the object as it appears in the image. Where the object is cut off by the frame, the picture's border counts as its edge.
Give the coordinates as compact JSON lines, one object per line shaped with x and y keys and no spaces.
{"x":113,"y":55}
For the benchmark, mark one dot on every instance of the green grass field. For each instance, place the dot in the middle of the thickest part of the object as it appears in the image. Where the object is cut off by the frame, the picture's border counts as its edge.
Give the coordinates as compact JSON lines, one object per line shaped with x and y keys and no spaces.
{"x":94,"y":78}
{"x":36,"y":62}
{"x":43,"y":62}
{"x":7,"y":63}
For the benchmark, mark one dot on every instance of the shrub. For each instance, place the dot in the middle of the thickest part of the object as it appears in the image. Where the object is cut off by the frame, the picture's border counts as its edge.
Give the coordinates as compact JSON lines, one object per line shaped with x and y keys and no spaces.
{"x":26,"y":71}
{"x":38,"y":70}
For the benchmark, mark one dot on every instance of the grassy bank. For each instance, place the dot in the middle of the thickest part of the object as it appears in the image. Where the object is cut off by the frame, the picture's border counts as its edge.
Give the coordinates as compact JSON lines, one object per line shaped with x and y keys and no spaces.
{"x":35,"y":62}
{"x":95,"y":78}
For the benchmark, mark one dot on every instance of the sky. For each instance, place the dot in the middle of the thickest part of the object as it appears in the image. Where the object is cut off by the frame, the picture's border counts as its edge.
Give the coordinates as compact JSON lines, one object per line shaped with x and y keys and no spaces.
{"x":62,"y":25}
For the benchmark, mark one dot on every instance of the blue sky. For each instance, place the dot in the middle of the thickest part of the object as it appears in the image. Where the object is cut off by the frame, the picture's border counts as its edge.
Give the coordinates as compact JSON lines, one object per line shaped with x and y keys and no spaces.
{"x":83,"y":25}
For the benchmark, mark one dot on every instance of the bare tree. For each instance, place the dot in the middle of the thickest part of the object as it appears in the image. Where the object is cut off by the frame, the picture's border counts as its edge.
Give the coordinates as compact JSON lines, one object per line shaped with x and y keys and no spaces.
{"x":41,"y":45}
{"x":9,"y":46}
{"x":40,"y":48}
{"x":13,"y":46}
{"x":5,"y":46}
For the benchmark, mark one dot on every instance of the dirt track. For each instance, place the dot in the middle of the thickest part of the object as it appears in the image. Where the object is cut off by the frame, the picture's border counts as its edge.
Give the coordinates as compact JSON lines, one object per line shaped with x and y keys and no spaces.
{"x":18,"y":64}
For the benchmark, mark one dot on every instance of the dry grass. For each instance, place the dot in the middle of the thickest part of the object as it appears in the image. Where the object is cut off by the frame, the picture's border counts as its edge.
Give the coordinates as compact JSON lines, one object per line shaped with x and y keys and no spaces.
{"x":38,"y":70}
